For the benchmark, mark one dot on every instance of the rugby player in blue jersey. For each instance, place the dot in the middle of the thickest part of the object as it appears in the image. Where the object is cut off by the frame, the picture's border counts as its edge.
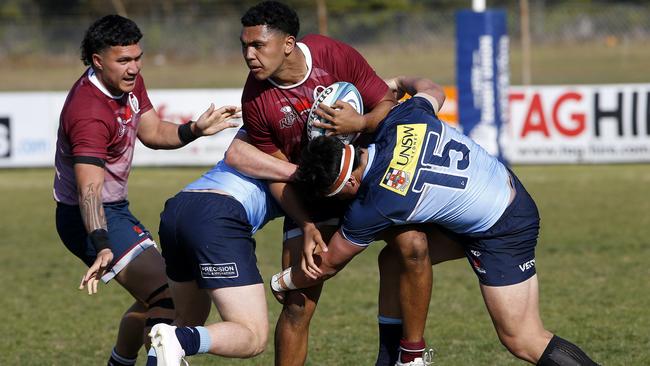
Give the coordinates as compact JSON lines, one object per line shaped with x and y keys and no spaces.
{"x":206,"y":235}
{"x":419,"y":170}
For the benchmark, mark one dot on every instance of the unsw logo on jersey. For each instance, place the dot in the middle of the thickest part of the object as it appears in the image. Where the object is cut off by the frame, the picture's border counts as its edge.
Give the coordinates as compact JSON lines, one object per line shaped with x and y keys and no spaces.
{"x":408,"y":146}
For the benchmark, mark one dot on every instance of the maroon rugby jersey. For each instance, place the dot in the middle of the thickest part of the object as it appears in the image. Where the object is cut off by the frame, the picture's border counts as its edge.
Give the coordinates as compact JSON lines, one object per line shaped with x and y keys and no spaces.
{"x":93,"y":123}
{"x":275,"y":116}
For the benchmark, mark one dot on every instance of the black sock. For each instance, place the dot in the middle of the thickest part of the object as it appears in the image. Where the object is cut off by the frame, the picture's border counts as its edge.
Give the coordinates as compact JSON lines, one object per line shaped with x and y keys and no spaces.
{"x":389,"y":337}
{"x":561,"y":352}
{"x":118,"y":360}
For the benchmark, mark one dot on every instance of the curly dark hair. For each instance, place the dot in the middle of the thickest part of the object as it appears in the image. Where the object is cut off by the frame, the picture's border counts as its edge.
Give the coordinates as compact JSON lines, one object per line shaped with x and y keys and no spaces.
{"x":319,"y":166}
{"x":273,"y":14}
{"x":110,"y":30}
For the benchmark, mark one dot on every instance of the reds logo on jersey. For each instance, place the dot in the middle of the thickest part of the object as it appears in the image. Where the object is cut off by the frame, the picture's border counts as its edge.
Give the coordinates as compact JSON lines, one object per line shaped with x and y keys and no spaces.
{"x":289,"y":118}
{"x":132,"y":108}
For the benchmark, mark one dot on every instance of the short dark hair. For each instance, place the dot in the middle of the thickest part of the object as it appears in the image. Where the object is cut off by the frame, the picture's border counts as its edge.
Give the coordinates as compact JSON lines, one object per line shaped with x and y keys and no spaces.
{"x":273,"y":14}
{"x":110,"y":30}
{"x":320,"y":164}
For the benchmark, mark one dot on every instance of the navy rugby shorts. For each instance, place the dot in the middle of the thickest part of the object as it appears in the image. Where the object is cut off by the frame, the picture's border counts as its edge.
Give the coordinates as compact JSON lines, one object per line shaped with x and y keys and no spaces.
{"x":505,"y":254}
{"x":206,"y":237}
{"x":127,"y":236}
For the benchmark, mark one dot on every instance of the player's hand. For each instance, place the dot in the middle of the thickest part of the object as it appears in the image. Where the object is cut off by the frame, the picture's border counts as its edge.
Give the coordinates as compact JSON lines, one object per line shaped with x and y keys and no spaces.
{"x":313,"y":244}
{"x":394,"y":87}
{"x":214,"y":120}
{"x":96,"y":271}
{"x":342,"y":118}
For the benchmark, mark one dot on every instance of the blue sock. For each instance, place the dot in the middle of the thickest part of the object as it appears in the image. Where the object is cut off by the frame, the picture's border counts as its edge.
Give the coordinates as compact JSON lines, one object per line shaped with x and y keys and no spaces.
{"x":193,"y":339}
{"x":151,"y":357}
{"x":390,"y":333}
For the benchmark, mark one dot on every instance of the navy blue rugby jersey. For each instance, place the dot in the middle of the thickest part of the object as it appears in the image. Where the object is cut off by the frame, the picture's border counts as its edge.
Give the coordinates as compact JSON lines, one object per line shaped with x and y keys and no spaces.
{"x":421,"y":170}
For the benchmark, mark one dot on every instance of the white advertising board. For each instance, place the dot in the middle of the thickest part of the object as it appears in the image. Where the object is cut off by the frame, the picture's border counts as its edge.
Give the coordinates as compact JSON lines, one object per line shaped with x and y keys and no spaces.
{"x":29,"y":122}
{"x":578,"y":124}
{"x":547,"y":125}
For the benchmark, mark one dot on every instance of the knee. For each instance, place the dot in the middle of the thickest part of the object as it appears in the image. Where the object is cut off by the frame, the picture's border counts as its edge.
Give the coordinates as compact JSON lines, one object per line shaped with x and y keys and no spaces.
{"x":413,"y":247}
{"x":520,"y":345}
{"x":258,"y":346}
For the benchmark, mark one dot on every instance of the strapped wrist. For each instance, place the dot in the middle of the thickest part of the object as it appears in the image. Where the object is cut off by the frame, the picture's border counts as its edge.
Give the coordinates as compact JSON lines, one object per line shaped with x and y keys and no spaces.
{"x":185,"y":133}
{"x":99,"y":239}
{"x":281,"y":282}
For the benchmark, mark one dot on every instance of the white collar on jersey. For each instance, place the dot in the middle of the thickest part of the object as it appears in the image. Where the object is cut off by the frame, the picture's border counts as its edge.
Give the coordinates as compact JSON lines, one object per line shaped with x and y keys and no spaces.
{"x":371,"y":157}
{"x":93,"y":79}
{"x":305,"y":51}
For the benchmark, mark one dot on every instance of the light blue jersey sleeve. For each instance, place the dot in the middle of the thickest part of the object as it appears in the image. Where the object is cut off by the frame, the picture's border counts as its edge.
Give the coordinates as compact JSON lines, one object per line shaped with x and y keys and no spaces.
{"x":252,"y":193}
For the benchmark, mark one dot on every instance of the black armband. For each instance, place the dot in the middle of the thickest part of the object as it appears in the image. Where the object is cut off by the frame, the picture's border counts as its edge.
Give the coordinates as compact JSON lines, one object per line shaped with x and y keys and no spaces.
{"x":99,"y":238}
{"x":88,"y":160}
{"x":185,"y":133}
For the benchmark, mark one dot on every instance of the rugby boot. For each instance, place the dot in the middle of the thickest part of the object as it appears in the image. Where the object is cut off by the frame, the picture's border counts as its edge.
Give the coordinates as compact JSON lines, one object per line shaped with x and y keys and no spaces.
{"x":168,"y":350}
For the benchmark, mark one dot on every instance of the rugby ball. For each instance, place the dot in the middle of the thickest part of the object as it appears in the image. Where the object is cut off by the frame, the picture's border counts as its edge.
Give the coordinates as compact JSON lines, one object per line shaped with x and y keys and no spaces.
{"x":340,"y":90}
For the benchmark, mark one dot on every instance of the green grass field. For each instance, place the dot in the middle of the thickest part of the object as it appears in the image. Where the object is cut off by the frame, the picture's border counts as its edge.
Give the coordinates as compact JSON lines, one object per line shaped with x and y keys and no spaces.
{"x":591,"y":259}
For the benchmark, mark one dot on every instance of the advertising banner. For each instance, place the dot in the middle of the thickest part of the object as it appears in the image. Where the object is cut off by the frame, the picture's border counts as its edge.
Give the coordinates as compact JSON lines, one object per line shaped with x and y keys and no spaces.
{"x":29,"y":122}
{"x":579,"y":124}
{"x":563,"y":124}
{"x":482,"y":75}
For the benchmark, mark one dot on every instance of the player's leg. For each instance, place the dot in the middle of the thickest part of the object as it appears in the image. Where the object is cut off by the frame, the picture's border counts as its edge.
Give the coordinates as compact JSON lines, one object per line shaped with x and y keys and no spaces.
{"x":192,"y":303}
{"x":292,"y":327}
{"x":390,"y":314}
{"x":441,"y":248}
{"x":514,"y":311}
{"x":415,"y":279}
{"x":503,"y":258}
{"x":210,"y":254}
{"x":128,"y":239}
{"x":244,"y":330}
{"x":144,"y":277}
{"x":129,"y":341}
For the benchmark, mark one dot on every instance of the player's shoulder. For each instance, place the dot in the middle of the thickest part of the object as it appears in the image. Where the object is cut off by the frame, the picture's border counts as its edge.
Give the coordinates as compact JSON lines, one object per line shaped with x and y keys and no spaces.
{"x":318,"y":43}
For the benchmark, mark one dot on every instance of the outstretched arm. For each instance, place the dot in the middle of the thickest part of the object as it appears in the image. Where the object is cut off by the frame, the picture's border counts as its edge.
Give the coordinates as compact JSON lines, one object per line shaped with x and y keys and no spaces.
{"x":158,"y":134}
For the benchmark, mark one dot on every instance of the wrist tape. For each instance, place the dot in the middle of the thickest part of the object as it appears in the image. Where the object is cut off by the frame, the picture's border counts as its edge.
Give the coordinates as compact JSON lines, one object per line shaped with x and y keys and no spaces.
{"x":281,"y":282}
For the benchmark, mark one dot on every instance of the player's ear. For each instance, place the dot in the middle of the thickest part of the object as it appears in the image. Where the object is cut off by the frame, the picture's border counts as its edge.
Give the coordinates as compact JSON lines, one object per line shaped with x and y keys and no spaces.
{"x":97,"y":61}
{"x":352,"y":182}
{"x":289,"y":44}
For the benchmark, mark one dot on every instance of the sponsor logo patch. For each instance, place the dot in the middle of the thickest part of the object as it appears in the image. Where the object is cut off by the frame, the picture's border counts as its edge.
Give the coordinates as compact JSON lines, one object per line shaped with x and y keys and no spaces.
{"x":408,"y":146}
{"x":219,"y":270}
{"x":527,"y":265}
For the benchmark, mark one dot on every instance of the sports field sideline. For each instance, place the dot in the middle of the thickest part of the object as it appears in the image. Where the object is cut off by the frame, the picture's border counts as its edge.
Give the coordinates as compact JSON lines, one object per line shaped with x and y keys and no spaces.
{"x":591,"y":259}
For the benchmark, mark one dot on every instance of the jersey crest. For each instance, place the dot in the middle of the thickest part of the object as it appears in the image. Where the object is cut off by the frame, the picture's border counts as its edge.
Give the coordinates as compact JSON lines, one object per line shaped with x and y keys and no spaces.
{"x":289,"y":118}
{"x":402,"y":167}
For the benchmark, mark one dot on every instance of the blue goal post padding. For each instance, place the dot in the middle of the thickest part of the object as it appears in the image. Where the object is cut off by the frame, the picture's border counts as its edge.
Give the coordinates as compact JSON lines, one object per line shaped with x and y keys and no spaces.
{"x":482,"y":76}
